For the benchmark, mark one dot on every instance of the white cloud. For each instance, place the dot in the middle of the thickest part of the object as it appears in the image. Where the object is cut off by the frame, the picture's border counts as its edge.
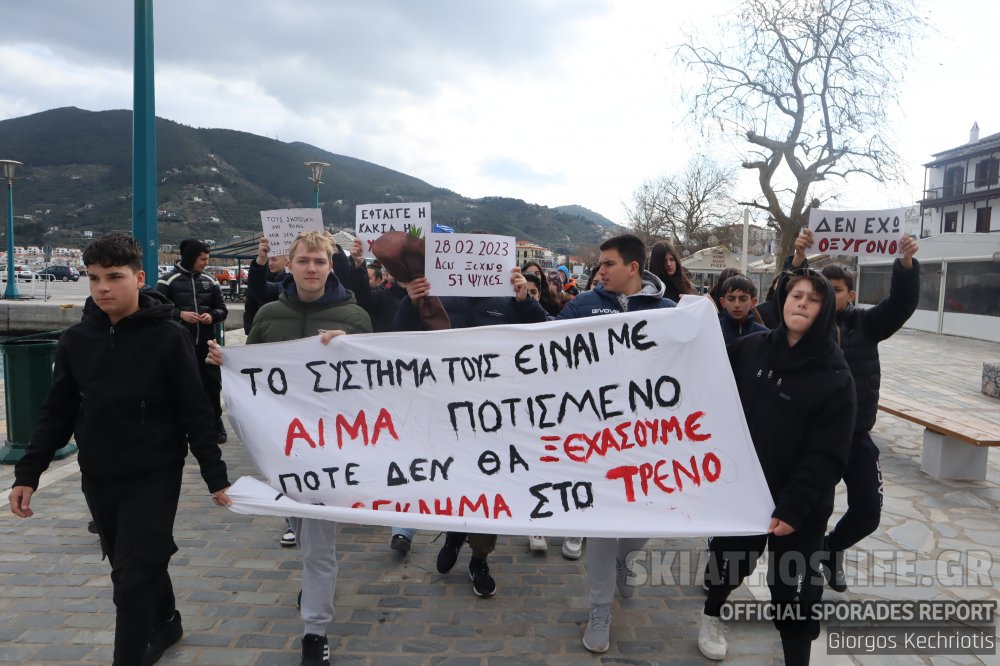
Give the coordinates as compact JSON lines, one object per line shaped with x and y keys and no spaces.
{"x":553,"y":102}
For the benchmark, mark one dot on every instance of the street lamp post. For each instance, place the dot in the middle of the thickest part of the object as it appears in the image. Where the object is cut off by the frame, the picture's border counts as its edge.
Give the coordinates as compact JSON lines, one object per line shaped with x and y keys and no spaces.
{"x":316,"y":178}
{"x":8,"y":173}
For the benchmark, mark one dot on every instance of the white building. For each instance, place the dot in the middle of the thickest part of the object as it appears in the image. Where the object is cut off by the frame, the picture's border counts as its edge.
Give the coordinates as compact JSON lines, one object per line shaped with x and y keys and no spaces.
{"x":959,"y":247}
{"x":961,"y":186}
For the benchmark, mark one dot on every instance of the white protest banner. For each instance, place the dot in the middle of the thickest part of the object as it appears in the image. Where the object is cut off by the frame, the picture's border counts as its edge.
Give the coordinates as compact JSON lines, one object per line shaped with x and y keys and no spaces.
{"x":373,"y":220}
{"x":283,"y":225}
{"x":622,"y":425}
{"x":470,"y":264}
{"x":858,"y":232}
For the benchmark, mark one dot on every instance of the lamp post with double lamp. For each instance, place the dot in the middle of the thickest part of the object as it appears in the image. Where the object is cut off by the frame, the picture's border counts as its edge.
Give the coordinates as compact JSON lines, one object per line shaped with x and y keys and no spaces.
{"x":8,"y":173}
{"x":316,"y":178}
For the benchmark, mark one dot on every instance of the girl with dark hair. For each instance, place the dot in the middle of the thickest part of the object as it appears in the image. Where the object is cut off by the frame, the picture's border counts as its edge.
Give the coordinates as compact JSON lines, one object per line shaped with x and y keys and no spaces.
{"x":595,"y":281}
{"x":665,"y":264}
{"x":550,"y":305}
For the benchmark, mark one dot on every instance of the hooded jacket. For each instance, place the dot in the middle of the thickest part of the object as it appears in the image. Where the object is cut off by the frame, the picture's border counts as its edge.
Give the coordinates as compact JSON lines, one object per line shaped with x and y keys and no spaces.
{"x":132,"y":397}
{"x":194,"y":292}
{"x":768,"y":314}
{"x":860,"y":331}
{"x":799,"y":404}
{"x":601,"y":301}
{"x":733,"y":330}
{"x":289,"y":318}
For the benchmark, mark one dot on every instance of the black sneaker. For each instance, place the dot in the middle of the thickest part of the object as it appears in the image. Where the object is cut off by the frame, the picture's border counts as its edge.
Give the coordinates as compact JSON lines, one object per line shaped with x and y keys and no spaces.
{"x":833,"y":569}
{"x":315,"y":650}
{"x":92,"y":527}
{"x":482,"y":582}
{"x":164,"y":636}
{"x":448,"y":554}
{"x":401,"y":544}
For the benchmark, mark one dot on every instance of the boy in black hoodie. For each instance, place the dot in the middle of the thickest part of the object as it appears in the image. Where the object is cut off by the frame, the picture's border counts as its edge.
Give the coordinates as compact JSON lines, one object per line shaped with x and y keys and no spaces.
{"x":858,"y":332}
{"x":798,"y":399}
{"x":126,"y":384}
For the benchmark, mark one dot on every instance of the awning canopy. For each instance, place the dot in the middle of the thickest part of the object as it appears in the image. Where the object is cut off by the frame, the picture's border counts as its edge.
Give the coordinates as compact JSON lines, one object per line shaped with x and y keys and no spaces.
{"x":711,"y":260}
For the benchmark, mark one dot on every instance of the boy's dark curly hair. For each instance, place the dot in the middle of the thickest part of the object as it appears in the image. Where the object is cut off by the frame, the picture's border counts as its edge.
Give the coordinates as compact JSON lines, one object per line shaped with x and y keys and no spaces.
{"x":114,"y":249}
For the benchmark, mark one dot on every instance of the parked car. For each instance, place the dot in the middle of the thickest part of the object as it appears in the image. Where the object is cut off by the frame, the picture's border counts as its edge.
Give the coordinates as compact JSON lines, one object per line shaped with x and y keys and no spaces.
{"x":226,"y":274}
{"x":21,"y":273}
{"x":62,"y":273}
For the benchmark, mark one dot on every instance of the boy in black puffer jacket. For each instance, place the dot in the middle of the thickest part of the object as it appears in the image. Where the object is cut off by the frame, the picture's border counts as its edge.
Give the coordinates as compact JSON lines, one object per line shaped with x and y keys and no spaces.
{"x":799,"y":402}
{"x":199,"y":306}
{"x":126,"y":385}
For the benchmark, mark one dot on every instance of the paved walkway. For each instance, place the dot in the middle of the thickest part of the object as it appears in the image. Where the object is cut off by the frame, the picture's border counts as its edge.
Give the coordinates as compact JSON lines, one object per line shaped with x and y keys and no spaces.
{"x":236,"y":587}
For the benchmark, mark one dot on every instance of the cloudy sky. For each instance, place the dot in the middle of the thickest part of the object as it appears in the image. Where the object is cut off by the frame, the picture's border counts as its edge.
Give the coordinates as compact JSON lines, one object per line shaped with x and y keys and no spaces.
{"x":551,"y":101}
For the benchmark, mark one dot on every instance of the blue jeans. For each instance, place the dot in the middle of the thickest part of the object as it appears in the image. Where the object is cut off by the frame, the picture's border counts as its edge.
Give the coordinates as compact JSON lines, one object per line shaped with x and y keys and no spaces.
{"x":408,"y":532}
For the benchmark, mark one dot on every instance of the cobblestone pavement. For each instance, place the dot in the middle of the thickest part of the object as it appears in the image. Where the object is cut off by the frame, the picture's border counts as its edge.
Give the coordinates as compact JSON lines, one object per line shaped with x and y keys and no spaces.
{"x":236,"y":586}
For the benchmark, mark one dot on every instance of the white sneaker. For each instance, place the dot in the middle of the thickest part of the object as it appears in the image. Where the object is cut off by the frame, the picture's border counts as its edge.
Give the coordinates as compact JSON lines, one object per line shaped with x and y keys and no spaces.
{"x":537,"y":544}
{"x":711,"y":638}
{"x":621,"y":580}
{"x":597,"y":637}
{"x":288,"y":538}
{"x":572,"y":548}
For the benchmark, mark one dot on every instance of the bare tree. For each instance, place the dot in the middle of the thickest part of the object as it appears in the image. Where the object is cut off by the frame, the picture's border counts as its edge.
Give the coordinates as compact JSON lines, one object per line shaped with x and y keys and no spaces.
{"x":678,"y":206}
{"x":646,"y":216}
{"x":808,"y":84}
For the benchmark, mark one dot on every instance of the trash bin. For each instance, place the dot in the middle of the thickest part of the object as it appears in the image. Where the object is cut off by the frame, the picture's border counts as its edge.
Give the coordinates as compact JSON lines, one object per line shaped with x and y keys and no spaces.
{"x":27,"y":376}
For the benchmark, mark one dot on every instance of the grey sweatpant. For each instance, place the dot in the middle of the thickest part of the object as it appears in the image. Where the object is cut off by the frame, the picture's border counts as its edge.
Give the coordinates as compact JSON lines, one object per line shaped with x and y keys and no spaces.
{"x":318,"y":541}
{"x":602,"y":558}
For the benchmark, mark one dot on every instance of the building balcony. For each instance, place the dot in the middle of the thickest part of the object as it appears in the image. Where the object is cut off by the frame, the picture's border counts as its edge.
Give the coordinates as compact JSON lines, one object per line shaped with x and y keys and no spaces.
{"x":957,"y":193}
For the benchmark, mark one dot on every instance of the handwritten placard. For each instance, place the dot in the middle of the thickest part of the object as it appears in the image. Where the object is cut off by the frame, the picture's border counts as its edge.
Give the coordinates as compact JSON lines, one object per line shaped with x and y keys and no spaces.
{"x":622,"y":425}
{"x":858,"y":233}
{"x":283,"y":225}
{"x":470,"y":264}
{"x":373,"y":220}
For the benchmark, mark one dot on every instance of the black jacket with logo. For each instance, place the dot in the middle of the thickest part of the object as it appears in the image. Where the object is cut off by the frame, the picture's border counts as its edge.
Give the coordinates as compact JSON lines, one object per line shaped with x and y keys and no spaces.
{"x":194,"y":292}
{"x":799,"y":404}
{"x":132,"y":397}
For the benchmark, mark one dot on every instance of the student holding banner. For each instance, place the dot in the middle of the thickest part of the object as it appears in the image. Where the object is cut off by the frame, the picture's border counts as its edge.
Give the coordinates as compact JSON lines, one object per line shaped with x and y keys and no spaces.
{"x":312,"y":302}
{"x":627,"y":287}
{"x":799,"y":402}
{"x":467,"y":312}
{"x":859,"y":332}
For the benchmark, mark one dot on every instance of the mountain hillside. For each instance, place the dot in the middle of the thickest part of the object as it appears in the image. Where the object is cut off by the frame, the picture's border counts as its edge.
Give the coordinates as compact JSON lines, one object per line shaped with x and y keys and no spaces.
{"x":213,"y":182}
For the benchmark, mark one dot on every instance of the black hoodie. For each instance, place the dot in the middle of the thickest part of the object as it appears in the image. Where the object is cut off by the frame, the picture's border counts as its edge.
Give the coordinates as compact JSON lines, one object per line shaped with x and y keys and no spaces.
{"x":800,"y":405}
{"x":132,"y":396}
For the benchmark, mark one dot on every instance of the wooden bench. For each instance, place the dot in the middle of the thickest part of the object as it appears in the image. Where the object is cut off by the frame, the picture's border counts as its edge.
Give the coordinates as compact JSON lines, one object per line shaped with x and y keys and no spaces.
{"x":956,"y":441}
